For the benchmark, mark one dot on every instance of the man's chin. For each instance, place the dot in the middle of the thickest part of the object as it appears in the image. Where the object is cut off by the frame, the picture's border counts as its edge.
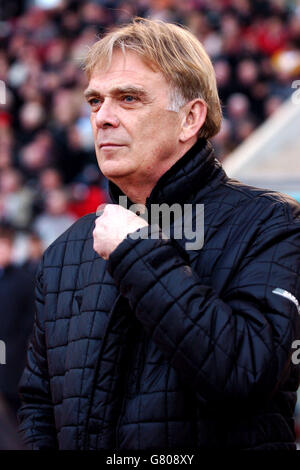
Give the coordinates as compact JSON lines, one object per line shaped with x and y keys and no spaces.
{"x":114,"y":170}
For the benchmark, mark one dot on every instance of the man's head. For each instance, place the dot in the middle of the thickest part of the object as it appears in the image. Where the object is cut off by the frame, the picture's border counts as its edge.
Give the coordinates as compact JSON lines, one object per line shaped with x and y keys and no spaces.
{"x":152,"y":92}
{"x":176,"y":53}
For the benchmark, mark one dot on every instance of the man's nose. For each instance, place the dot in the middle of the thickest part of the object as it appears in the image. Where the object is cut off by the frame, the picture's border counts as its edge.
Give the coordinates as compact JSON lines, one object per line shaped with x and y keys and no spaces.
{"x":106,"y":116}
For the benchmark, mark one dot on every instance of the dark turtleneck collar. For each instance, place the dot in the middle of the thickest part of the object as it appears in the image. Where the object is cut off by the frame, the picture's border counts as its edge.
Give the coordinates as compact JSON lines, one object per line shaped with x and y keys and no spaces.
{"x":191,"y":173}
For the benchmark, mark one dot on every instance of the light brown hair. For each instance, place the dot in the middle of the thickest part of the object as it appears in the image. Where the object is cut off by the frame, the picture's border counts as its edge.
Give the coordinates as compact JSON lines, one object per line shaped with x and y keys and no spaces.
{"x":176,"y":53}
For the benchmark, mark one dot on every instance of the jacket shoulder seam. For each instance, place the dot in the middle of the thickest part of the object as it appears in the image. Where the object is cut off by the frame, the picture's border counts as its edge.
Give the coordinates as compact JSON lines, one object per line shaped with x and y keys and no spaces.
{"x":281,"y":204}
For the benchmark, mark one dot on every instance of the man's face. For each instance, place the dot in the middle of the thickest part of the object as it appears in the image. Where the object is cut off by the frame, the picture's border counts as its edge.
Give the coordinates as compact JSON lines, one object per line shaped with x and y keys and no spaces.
{"x":136,"y":137}
{"x":6,"y":248}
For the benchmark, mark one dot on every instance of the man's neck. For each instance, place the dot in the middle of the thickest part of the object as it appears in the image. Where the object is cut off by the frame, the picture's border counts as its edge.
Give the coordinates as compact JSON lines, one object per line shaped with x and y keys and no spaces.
{"x":138,"y":191}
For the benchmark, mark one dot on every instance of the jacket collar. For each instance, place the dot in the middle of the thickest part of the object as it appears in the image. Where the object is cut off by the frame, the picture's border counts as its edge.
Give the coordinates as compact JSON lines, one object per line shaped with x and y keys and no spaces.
{"x":196,"y":171}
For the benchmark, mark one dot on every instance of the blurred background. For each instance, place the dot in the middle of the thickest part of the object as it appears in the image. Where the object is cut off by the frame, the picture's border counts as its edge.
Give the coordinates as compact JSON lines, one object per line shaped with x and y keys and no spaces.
{"x":48,"y":171}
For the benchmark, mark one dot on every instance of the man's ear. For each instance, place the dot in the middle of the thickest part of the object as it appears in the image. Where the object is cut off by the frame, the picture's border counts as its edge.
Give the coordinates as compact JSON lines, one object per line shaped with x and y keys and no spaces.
{"x":194,"y":115}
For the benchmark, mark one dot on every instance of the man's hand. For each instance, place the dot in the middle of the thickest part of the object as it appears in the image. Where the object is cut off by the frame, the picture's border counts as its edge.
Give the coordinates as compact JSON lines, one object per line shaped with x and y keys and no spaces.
{"x":112,"y":227}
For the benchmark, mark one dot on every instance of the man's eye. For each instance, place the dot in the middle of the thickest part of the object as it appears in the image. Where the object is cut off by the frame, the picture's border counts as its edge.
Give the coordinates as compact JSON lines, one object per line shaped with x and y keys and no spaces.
{"x":129,"y":99}
{"x":94,"y":102}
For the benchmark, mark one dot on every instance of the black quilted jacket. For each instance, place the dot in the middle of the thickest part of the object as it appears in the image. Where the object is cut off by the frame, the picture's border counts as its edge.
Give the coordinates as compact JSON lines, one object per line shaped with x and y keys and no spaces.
{"x":160,"y":347}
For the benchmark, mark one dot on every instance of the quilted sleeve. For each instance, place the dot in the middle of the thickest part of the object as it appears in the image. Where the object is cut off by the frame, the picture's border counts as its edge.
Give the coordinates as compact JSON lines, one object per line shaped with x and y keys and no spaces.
{"x":233,"y":346}
{"x":35,"y":416}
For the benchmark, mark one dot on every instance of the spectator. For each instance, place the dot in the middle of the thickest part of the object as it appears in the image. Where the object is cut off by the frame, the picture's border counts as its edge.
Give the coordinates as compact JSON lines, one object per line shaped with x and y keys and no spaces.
{"x":17,"y":198}
{"x":85,"y":199}
{"x":54,"y":220}
{"x":35,"y":252}
{"x":9,"y":438}
{"x":17,"y":312}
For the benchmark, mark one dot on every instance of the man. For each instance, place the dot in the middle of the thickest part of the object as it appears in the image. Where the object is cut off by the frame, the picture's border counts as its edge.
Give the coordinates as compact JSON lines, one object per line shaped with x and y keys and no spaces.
{"x":16,"y":317}
{"x":139,"y":342}
{"x":9,"y":439}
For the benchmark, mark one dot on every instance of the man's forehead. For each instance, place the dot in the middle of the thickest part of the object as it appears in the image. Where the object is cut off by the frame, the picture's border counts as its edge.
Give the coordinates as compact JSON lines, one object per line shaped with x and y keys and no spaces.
{"x":126,"y":66}
{"x":116,"y":79}
{"x":127,"y":59}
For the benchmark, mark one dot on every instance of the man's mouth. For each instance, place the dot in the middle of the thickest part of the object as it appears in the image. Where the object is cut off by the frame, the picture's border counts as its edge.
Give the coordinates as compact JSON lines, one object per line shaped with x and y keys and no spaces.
{"x":109,"y":145}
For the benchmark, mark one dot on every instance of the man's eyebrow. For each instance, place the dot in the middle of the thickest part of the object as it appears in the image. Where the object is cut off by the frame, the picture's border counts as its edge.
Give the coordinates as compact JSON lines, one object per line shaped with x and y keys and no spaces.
{"x":136,"y":90}
{"x":130,"y":89}
{"x":90,"y":92}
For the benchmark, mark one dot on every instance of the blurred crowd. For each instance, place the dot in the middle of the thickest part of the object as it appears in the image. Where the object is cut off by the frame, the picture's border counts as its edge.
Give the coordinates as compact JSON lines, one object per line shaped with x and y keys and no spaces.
{"x":48,"y":171}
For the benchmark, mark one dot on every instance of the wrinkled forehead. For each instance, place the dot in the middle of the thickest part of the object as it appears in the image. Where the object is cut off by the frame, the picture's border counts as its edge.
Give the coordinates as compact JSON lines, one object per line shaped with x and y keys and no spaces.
{"x":126,"y":70}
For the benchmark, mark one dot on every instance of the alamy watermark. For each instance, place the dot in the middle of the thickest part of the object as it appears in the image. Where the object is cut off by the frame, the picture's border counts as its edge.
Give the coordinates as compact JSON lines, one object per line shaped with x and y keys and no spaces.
{"x":2,"y":92}
{"x":175,"y":221}
{"x":296,"y":95}
{"x":2,"y":352}
{"x":296,"y":354}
